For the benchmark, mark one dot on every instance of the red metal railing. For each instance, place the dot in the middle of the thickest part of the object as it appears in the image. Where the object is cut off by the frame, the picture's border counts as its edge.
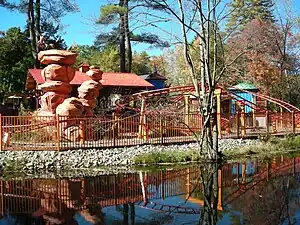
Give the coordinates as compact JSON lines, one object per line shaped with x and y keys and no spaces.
{"x":62,"y":133}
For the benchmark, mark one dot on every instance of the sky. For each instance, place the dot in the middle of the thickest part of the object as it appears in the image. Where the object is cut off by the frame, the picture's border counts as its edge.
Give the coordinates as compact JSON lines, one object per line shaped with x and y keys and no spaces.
{"x":80,"y":28}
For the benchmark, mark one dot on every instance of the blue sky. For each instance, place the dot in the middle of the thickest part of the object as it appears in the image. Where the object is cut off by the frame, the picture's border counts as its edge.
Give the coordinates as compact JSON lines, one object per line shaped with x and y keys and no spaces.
{"x":79,"y":26}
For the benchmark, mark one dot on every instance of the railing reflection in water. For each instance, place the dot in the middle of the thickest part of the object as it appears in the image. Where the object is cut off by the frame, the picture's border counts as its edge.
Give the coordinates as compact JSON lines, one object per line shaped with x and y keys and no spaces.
{"x":59,"y":196}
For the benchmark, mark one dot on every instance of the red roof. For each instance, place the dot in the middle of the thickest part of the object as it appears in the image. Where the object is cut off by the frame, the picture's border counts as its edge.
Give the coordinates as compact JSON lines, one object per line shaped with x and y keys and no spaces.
{"x":108,"y":79}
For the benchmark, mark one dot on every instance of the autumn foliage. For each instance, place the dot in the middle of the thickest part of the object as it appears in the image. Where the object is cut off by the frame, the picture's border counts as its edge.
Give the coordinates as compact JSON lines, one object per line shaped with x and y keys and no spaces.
{"x":262,"y":60}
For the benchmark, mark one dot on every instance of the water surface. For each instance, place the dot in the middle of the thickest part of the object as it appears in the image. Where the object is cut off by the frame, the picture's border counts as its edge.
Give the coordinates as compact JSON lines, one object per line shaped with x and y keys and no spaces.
{"x":250,"y":192}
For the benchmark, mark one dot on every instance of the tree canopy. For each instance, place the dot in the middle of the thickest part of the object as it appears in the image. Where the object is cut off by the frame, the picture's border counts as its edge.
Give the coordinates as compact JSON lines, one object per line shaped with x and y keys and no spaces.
{"x":15,"y":60}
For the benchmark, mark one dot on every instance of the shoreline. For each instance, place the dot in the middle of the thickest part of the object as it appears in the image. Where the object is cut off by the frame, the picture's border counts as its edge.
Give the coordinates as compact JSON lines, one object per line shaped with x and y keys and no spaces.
{"x":89,"y":159}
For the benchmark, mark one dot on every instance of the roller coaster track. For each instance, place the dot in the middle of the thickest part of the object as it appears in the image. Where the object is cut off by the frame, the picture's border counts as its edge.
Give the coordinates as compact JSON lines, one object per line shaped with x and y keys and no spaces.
{"x":279,"y":102}
{"x":181,"y":90}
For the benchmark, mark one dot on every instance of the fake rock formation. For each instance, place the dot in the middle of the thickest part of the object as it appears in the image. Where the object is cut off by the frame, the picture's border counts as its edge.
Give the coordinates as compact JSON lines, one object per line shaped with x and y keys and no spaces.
{"x":57,"y":76}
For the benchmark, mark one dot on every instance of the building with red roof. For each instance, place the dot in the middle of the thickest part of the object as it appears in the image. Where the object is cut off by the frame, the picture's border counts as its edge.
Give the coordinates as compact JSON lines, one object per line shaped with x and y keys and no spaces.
{"x":113,"y":83}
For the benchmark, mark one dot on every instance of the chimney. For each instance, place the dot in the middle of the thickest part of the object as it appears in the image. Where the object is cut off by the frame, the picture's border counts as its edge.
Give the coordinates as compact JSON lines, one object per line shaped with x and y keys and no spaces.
{"x":84,"y":67}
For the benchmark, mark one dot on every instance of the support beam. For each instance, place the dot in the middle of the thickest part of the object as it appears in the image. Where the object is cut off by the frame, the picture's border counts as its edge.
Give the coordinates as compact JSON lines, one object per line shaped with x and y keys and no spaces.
{"x":243,"y":121}
{"x":187,"y":110}
{"x":143,"y":133}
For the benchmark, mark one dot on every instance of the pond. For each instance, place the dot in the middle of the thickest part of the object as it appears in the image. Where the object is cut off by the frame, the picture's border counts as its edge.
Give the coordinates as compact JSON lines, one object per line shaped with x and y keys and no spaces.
{"x":249,"y":192}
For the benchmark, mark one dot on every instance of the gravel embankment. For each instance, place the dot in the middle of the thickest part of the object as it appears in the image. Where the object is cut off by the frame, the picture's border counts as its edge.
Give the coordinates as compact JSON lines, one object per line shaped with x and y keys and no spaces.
{"x":95,"y":158}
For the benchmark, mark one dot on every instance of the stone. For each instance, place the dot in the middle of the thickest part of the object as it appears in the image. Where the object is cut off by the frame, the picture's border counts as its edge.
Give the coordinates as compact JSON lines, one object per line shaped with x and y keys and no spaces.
{"x":88,"y":95}
{"x":54,"y":56}
{"x":71,"y":107}
{"x":89,"y":85}
{"x":56,"y":86}
{"x":95,"y":73}
{"x":51,"y":100}
{"x":55,"y":72}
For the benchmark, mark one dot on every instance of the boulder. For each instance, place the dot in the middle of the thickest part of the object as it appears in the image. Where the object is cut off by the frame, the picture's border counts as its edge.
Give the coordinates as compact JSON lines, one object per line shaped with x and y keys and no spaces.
{"x":95,"y":73}
{"x":89,"y":95}
{"x":51,"y":100}
{"x":89,"y":85}
{"x":54,"y":56}
{"x":71,"y":107}
{"x":56,"y":86}
{"x":55,"y":72}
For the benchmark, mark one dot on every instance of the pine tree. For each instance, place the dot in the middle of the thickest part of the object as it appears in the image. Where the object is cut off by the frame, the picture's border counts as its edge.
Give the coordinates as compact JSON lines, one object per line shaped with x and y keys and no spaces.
{"x":121,"y":34}
{"x":244,"y":11}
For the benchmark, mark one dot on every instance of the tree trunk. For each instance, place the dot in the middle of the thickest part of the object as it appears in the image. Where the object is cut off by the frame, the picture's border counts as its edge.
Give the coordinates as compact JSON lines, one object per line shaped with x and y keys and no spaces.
{"x":31,"y":25}
{"x":37,"y":27}
{"x":122,"y":40}
{"x":127,"y":36}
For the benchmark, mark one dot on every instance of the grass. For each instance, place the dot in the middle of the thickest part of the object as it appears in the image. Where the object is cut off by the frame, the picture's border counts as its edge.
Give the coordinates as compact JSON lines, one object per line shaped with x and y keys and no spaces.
{"x":268,"y":146}
{"x":167,"y":157}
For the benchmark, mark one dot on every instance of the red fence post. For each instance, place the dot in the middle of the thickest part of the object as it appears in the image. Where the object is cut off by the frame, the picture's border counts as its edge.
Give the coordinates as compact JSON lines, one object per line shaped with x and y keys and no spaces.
{"x":58,"y":132}
{"x":114,"y":119}
{"x":161,"y":130}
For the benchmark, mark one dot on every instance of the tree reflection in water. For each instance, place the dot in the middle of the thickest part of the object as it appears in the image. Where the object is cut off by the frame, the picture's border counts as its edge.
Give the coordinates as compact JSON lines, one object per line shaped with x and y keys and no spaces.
{"x":208,"y":180}
{"x":250,"y":192}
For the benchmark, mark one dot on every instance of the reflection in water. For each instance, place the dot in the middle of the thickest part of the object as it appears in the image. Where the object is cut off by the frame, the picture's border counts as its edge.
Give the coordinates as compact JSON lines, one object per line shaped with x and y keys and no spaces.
{"x":251,"y":192}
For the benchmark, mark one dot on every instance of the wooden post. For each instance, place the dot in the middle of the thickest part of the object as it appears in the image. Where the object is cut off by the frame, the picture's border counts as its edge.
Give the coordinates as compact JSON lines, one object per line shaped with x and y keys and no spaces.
{"x":1,"y":132}
{"x":243,"y":121}
{"x":237,"y":120}
{"x":142,"y":125}
{"x":293,"y":123}
{"x":58,"y":132}
{"x":267,"y":122}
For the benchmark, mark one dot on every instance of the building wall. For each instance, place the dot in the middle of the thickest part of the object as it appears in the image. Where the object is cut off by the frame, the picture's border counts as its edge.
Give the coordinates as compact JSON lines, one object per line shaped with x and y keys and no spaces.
{"x":248,"y":97}
{"x":158,"y":84}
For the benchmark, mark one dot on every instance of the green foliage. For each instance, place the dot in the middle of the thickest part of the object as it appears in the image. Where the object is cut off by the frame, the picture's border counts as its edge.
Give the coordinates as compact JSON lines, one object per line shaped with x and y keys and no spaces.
{"x":149,"y":38}
{"x":50,"y":32}
{"x":107,"y":58}
{"x":167,"y":157}
{"x":15,"y":60}
{"x":288,"y":89}
{"x":243,"y":11}
{"x":110,"y":13}
{"x":141,"y":63}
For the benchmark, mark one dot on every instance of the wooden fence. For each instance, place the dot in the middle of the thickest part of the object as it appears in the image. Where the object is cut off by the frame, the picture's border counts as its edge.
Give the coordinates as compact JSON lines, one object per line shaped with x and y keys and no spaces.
{"x":63,"y":133}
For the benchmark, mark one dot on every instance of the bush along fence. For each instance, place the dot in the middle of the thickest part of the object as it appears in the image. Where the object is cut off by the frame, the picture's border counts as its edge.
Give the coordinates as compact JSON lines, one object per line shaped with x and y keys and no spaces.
{"x":64,"y":133}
